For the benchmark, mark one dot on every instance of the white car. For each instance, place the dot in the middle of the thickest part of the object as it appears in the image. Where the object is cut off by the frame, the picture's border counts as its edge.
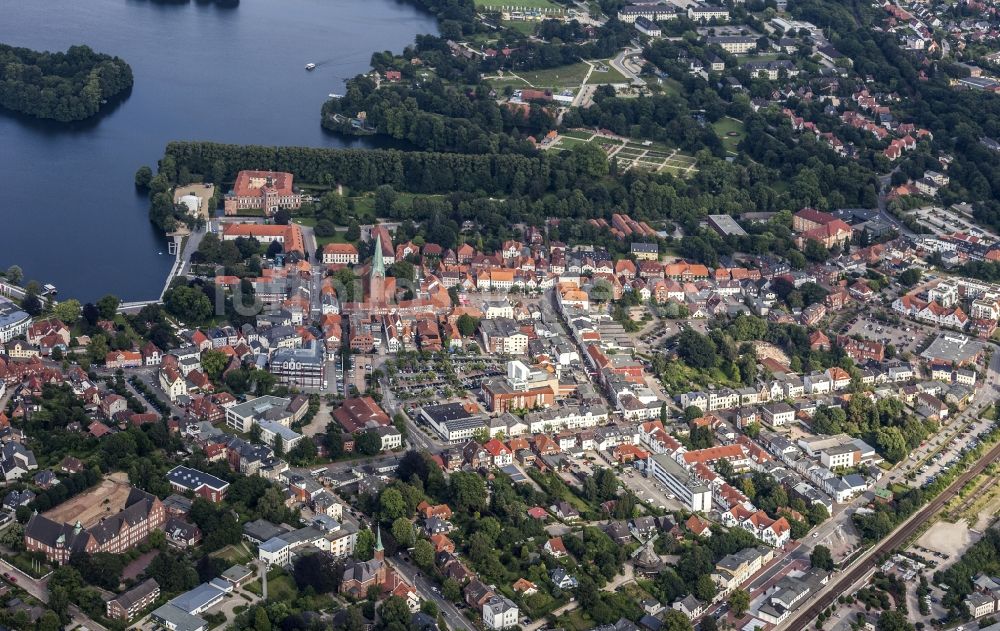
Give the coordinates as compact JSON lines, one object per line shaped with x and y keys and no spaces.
{"x":815,"y":534}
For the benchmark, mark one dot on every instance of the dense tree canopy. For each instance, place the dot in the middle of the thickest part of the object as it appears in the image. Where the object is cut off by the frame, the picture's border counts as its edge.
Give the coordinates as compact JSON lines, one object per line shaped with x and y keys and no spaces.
{"x":62,"y":86}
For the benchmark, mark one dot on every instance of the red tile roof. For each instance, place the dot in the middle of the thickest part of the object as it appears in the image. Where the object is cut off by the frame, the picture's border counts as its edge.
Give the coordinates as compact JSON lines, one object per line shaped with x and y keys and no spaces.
{"x":248,"y":183}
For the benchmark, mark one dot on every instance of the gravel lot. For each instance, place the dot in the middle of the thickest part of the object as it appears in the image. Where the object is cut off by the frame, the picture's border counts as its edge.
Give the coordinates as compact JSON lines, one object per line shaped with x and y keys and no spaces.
{"x":946,"y":538}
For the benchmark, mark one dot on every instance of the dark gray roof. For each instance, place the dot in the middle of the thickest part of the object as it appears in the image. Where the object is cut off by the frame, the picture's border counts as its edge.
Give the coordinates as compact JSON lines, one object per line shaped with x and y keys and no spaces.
{"x":194,"y":479}
{"x":262,"y":530}
{"x":137,"y":593}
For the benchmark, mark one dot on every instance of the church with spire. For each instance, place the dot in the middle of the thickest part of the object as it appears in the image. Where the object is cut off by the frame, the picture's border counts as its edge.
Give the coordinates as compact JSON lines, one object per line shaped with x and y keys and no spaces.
{"x":381,"y":289}
{"x":360,"y":576}
{"x":387,"y":304}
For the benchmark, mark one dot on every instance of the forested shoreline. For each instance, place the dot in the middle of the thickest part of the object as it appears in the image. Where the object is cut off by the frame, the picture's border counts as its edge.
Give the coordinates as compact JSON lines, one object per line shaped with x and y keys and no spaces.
{"x":65,"y":87}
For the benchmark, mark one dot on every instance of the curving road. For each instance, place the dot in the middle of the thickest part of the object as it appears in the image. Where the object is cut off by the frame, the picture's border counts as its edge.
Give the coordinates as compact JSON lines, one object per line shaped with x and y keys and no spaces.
{"x":619,"y":64}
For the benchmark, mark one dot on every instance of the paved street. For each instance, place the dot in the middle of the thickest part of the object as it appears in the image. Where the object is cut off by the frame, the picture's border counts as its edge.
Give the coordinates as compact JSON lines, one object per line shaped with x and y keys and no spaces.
{"x":428,"y":591}
{"x":623,"y":66}
{"x":36,"y":587}
{"x":416,"y":436}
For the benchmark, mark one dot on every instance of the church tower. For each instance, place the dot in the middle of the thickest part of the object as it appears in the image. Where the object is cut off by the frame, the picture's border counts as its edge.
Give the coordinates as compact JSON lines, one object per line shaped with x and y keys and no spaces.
{"x":376,"y":282}
{"x":379,"y":550}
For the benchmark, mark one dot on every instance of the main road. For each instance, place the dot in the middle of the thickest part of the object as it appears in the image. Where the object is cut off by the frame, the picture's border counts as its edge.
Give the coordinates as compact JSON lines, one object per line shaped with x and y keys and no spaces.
{"x":428,"y":591}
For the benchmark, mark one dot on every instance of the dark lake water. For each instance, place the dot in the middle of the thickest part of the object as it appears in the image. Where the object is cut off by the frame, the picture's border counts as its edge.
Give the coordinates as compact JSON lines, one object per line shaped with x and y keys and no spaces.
{"x":69,"y":213}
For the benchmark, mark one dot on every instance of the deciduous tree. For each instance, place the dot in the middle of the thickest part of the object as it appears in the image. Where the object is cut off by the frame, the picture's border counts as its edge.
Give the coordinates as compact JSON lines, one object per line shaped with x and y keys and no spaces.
{"x":821,"y":558}
{"x":739,"y":601}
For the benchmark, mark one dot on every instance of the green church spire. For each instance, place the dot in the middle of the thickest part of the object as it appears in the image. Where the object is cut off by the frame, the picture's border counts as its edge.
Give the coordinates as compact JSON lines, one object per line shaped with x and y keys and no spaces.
{"x":378,"y":263}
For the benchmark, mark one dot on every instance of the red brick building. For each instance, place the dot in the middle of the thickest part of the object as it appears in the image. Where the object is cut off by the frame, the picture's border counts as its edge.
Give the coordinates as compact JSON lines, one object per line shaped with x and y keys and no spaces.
{"x":200,"y":483}
{"x":142,"y":514}
{"x":357,"y":413}
{"x":862,"y":351}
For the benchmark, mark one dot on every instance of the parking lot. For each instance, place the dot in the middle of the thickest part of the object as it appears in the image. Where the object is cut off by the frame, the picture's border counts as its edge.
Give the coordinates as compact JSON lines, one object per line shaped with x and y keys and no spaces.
{"x":948,"y":220}
{"x":658,"y":331}
{"x":906,"y":337}
{"x":953,"y":446}
{"x":439,"y":379}
{"x":841,"y":541}
{"x":650,"y":491}
{"x":944,"y":542}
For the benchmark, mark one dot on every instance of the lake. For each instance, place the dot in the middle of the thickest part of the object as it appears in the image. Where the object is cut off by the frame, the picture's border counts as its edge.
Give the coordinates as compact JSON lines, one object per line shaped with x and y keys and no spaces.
{"x":70,"y":214}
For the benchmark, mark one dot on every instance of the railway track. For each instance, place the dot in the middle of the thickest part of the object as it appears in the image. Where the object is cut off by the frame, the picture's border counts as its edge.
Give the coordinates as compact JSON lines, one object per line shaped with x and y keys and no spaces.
{"x":956,"y":513}
{"x":804,"y":618}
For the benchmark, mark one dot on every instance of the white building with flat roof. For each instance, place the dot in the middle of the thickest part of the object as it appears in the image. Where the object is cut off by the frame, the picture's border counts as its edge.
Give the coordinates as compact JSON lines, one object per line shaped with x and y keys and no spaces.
{"x":13,"y":321}
{"x":694,"y":493}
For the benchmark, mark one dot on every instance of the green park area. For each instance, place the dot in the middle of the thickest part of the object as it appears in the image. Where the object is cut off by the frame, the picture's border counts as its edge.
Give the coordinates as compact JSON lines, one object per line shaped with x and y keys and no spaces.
{"x":730,"y":131}
{"x":563,"y":77}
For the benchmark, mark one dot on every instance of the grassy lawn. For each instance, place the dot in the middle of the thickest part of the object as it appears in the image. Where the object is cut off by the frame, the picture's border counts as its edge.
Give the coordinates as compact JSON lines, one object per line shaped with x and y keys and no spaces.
{"x":521,"y":26}
{"x":234,"y":554}
{"x":763,"y":57}
{"x":730,"y":131}
{"x":281,"y":589}
{"x":671,"y":87}
{"x":656,"y":156}
{"x":570,"y":76}
{"x":338,"y":237}
{"x":574,"y":621}
{"x":315,"y":190}
{"x":364,"y":207}
{"x":364,"y":212}
{"x":636,"y":592}
{"x":24,"y":562}
{"x":611,"y":76}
